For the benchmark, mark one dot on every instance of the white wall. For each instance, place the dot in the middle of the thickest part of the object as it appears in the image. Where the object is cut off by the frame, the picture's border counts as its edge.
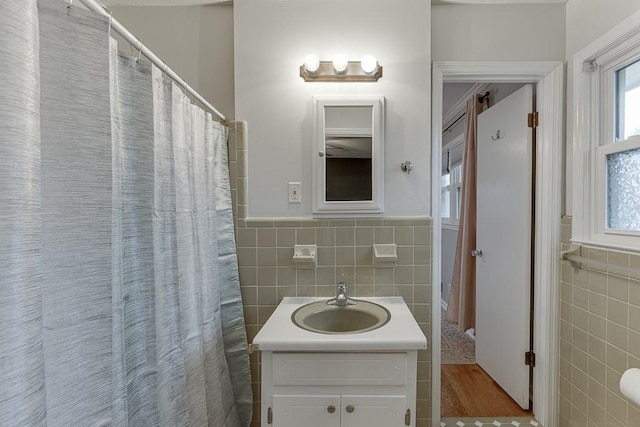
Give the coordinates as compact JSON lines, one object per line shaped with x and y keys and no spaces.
{"x":498,"y":32}
{"x":271,"y":40}
{"x":196,"y":42}
{"x":586,"y":21}
{"x":589,"y":19}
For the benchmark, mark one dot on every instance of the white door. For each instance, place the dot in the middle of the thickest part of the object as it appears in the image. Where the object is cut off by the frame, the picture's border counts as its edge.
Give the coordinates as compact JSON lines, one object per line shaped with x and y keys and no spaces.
{"x":368,"y":411}
{"x":307,"y":411}
{"x":503,"y":271}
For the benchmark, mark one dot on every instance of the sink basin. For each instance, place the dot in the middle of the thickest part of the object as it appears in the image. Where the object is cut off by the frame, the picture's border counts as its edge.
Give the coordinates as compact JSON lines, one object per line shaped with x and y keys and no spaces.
{"x":333,"y":319}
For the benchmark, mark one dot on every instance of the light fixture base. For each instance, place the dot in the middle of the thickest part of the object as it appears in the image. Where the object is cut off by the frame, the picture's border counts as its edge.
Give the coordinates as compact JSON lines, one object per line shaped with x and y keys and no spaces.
{"x":354,"y":73}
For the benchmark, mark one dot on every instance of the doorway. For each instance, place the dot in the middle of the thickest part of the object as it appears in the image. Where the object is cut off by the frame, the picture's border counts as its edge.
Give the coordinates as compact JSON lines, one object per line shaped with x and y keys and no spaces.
{"x":548,"y":78}
{"x":482,"y":368}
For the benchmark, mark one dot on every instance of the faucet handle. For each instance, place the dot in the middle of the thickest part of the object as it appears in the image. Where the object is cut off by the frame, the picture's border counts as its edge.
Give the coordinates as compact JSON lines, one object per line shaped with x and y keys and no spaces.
{"x":341,"y":298}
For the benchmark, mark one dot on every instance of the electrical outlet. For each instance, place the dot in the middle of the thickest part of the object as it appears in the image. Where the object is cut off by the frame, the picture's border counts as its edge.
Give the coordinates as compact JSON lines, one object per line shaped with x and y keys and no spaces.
{"x":295,"y":195}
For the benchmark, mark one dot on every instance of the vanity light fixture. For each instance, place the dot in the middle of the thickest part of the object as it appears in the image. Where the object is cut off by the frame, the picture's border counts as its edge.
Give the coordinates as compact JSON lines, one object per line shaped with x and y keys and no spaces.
{"x":311,"y":63}
{"x":340,"y":64}
{"x":369,"y":63}
{"x":340,"y":69}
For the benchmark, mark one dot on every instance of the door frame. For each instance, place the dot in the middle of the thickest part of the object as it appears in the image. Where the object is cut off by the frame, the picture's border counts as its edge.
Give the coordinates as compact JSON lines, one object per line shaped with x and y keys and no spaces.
{"x":549,"y":79}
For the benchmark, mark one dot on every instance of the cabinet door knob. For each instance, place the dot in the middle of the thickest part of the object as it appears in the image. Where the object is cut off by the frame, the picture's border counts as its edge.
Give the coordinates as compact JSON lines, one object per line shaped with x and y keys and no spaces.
{"x":350,"y":408}
{"x":331,"y":409}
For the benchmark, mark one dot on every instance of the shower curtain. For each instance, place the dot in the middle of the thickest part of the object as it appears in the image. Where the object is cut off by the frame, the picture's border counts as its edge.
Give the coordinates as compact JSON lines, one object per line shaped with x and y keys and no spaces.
{"x":461,"y":309}
{"x":120,"y":300}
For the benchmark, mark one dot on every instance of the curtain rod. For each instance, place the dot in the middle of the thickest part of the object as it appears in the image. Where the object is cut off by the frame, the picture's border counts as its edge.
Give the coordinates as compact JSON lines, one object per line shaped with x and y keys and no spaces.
{"x":454,"y":123}
{"x":144,"y":50}
{"x":481,"y":100}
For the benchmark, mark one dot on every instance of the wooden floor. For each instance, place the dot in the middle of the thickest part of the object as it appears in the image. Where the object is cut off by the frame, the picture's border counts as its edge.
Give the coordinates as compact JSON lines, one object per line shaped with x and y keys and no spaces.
{"x":468,"y":391}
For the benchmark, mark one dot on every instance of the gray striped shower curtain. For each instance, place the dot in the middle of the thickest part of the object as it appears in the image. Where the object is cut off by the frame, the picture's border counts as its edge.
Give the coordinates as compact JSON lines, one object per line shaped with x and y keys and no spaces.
{"x":119,"y":300}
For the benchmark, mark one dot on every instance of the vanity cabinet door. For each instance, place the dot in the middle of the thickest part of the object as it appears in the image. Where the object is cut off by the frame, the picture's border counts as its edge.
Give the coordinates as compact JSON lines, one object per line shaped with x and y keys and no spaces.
{"x":308,"y":411}
{"x":366,"y":411}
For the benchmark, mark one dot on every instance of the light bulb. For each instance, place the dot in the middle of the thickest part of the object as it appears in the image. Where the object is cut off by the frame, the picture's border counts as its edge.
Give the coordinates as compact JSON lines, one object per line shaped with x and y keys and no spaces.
{"x":340,"y":64}
{"x":311,"y":63}
{"x":369,"y":64}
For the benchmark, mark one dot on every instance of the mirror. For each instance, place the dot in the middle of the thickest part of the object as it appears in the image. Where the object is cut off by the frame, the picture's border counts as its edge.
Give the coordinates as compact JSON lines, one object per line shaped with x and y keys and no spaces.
{"x":348,"y":155}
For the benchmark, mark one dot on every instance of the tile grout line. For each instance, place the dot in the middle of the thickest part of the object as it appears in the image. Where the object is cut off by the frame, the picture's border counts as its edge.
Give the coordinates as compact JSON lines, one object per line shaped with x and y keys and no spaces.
{"x":489,"y":422}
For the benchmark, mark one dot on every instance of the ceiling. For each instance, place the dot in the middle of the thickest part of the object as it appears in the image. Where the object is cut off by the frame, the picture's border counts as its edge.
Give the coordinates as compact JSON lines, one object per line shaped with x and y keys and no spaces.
{"x":496,"y":1}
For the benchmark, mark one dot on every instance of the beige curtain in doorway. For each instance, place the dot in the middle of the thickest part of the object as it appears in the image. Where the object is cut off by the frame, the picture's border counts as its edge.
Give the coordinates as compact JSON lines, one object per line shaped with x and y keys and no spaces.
{"x":462,"y":300}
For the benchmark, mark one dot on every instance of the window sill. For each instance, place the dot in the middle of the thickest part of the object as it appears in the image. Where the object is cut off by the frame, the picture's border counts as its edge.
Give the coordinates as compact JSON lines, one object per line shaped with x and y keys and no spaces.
{"x":597,"y":244}
{"x":447,"y":226}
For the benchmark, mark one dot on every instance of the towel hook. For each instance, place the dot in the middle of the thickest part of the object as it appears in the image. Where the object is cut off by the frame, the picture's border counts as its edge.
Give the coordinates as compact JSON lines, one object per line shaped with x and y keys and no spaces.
{"x":497,"y":137}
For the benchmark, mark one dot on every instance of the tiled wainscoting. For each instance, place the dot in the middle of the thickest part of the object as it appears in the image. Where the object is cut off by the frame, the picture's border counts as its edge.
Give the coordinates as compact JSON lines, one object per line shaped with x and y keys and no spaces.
{"x":265,"y":251}
{"x":267,"y":272}
{"x":599,"y":337}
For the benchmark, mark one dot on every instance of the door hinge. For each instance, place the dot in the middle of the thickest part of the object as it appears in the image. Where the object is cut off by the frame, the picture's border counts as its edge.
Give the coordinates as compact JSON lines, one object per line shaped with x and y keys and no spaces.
{"x":532,"y":120}
{"x":269,"y":416}
{"x":530,"y":358}
{"x":407,"y":417}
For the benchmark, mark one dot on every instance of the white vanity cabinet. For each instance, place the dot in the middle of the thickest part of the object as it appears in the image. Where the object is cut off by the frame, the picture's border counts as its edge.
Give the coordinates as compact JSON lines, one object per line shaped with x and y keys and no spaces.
{"x":347,"y":389}
{"x":340,"y":411}
{"x":365,"y":379}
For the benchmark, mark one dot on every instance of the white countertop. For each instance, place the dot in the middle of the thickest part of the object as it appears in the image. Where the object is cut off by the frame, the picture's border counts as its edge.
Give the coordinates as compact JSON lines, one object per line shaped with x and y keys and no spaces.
{"x":400,"y":333}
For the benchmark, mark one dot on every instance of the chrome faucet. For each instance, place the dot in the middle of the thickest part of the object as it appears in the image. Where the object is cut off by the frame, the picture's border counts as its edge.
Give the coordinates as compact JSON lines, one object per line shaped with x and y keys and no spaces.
{"x":341,"y":298}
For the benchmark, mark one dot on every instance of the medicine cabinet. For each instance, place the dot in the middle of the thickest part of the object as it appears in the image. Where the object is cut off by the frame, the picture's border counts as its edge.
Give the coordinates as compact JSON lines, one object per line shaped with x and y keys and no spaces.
{"x":348,"y":154}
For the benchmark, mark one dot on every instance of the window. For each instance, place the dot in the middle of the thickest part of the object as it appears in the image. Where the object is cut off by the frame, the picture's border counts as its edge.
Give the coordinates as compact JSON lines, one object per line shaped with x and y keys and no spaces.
{"x":451,"y":181}
{"x":457,"y":185}
{"x":451,"y":191}
{"x":618,"y":153}
{"x":445,"y":200}
{"x":623,"y":190}
{"x":628,"y":101}
{"x":607,"y":140}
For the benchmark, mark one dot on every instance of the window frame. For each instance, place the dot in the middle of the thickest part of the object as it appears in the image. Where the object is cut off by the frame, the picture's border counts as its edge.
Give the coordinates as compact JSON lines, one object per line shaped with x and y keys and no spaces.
{"x":594,"y":132}
{"x":612,"y":236}
{"x":443,"y":189}
{"x":455,"y":182}
{"x":456,"y":171}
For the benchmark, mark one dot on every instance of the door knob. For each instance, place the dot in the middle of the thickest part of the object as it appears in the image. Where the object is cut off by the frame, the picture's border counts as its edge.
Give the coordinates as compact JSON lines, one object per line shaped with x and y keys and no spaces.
{"x":331,"y":409}
{"x":350,"y":408}
{"x":477,"y":252}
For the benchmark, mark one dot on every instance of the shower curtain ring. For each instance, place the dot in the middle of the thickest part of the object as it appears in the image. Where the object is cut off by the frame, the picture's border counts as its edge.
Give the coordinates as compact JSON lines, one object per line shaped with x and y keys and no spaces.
{"x":110,"y":20}
{"x":70,"y":4}
{"x":139,"y":50}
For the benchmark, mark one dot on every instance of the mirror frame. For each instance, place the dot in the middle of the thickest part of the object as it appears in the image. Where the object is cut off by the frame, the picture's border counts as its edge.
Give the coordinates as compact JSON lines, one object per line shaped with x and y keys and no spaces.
{"x":320,"y":204}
